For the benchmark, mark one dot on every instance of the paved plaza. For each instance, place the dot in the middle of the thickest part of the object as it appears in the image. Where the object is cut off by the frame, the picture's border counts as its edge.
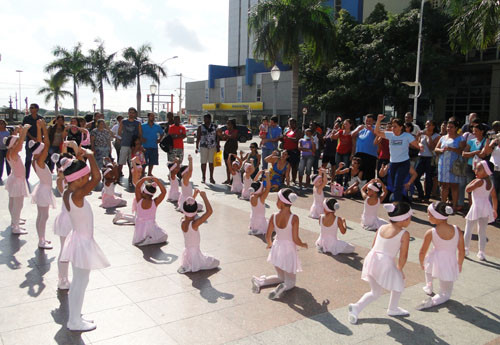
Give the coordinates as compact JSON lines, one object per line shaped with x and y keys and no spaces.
{"x":141,"y":299}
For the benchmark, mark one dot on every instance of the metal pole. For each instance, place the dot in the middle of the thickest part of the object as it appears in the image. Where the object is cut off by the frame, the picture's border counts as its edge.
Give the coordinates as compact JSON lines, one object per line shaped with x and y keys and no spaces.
{"x":417,"y":71}
{"x":274,"y":97}
{"x":153,"y":103}
{"x":20,"y":98}
{"x":180,"y":94}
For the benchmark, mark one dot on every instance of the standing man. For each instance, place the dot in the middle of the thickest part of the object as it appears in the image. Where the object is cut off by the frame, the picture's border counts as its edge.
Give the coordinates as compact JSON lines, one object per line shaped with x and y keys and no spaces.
{"x":127,"y":130}
{"x":270,"y":143}
{"x":365,"y":147}
{"x":31,"y":135}
{"x":170,"y":122}
{"x":416,"y":128}
{"x":118,"y":140}
{"x":152,"y":134}
{"x":178,"y":133}
{"x":207,"y":143}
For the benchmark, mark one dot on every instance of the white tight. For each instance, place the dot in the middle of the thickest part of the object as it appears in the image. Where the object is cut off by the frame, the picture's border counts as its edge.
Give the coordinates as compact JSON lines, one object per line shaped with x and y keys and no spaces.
{"x":127,"y":217}
{"x":481,"y":224}
{"x":63,"y":267}
{"x":445,"y":290}
{"x":282,"y":276}
{"x":41,"y":221}
{"x":15,"y":207}
{"x":376,"y":292}
{"x":77,"y":293}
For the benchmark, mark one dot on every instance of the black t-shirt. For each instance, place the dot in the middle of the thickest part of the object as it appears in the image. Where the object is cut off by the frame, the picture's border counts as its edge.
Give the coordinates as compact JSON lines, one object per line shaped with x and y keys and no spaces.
{"x":28,"y":119}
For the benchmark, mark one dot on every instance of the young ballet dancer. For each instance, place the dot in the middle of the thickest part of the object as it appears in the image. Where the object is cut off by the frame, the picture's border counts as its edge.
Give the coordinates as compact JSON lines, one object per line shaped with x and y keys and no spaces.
{"x":111,"y":199}
{"x":173,"y":191}
{"x":42,"y":195}
{"x":248,"y":169}
{"x":442,"y":262}
{"x":80,"y":247}
{"x":355,"y":172}
{"x":62,"y":223}
{"x":16,"y":184}
{"x":330,"y":223}
{"x":481,"y":211}
{"x":379,"y":268}
{"x":258,"y":222}
{"x":234,"y":166}
{"x":319,"y":182}
{"x":374,"y":193}
{"x":283,"y":253}
{"x":193,"y":260}
{"x":147,"y":230}
{"x":184,"y":174}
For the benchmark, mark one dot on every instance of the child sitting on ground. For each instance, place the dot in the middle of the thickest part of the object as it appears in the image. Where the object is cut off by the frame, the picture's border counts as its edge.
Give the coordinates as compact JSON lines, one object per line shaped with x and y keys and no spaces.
{"x":355,"y":172}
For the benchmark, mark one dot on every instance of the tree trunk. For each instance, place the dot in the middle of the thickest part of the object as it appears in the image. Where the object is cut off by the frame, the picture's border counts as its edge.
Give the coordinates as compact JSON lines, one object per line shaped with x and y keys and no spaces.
{"x":75,"y":98}
{"x":101,"y":97}
{"x":138,"y":96}
{"x":56,"y":105}
{"x":295,"y":89}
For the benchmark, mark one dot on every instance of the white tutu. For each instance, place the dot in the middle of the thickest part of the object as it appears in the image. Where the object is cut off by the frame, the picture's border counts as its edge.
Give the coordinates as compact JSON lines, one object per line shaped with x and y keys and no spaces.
{"x":83,"y":252}
{"x":481,"y":205}
{"x":148,"y":232}
{"x":193,"y":260}
{"x":442,"y":265}
{"x":42,"y":196}
{"x":16,"y":186}
{"x":62,"y":223}
{"x":284,"y":255}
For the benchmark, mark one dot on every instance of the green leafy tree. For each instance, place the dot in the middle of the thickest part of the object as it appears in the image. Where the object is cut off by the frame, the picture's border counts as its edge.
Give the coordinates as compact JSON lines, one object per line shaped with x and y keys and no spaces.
{"x":71,"y":64}
{"x":53,"y":90}
{"x":136,"y":64}
{"x":102,"y":66}
{"x":280,"y":27}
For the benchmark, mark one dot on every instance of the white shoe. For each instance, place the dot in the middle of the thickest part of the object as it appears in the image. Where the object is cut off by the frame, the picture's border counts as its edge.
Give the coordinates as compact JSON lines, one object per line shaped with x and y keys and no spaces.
{"x":255,"y":286}
{"x":480,"y":256}
{"x":466,"y":251}
{"x":425,"y":304}
{"x":63,"y":284}
{"x":17,"y":230}
{"x":427,"y":289}
{"x":276,"y":293}
{"x":353,"y":314}
{"x":398,"y":312}
{"x":81,"y":326}
{"x":45,"y":245}
{"x":117,"y":217}
{"x":182,"y":270}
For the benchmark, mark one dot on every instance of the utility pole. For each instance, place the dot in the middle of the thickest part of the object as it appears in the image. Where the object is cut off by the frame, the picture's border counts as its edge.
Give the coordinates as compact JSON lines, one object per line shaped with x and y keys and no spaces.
{"x":180,"y":94}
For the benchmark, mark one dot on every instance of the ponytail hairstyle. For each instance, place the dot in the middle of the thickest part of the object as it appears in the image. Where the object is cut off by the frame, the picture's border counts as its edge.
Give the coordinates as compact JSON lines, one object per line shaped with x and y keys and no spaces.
{"x":36,"y":147}
{"x":331,"y":205}
{"x":190,"y":207}
{"x":287,"y":196}
{"x":440,"y":210}
{"x":60,"y":158}
{"x":182,"y":170}
{"x":256,"y":187}
{"x":398,"y":211}
{"x":149,"y":188}
{"x":376,"y":187}
{"x":10,"y":141}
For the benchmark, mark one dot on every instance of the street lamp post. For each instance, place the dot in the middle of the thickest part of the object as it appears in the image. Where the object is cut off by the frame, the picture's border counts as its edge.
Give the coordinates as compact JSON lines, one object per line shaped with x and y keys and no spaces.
{"x":94,"y":102}
{"x":153,"y":88}
{"x":417,"y":69}
{"x":20,"y":102}
{"x":275,"y":76}
{"x":159,"y":78}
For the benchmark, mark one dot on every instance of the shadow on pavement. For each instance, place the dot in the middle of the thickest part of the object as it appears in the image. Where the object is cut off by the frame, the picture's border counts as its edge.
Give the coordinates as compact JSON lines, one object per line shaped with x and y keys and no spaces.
{"x":9,"y":245}
{"x":60,"y":316}
{"x":201,"y":282}
{"x":418,"y":334}
{"x":304,"y":303}
{"x":353,"y":260}
{"x":155,"y":255}
{"x":34,"y":278}
{"x":485,"y":263}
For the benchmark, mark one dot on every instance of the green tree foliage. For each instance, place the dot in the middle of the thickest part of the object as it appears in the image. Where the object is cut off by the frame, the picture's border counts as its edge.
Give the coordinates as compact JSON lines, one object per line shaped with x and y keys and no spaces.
{"x":102,"y":65}
{"x":281,"y":27}
{"x":54,"y":90}
{"x":136,"y":63}
{"x":372,"y":59}
{"x":71,"y":64}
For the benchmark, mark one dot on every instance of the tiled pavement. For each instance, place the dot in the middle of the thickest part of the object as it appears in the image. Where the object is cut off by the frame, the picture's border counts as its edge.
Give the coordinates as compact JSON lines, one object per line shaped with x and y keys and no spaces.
{"x":141,"y":299}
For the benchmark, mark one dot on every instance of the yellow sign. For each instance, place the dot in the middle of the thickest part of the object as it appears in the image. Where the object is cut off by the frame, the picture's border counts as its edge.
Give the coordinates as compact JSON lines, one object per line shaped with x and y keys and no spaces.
{"x":233,"y":106}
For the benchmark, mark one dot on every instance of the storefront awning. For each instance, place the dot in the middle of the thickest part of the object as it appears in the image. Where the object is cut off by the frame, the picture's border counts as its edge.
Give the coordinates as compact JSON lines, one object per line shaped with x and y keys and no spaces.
{"x":233,"y":106}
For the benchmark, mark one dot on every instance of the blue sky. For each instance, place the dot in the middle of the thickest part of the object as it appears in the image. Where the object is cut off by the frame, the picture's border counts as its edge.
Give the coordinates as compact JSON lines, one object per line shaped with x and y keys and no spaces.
{"x":194,"y":30}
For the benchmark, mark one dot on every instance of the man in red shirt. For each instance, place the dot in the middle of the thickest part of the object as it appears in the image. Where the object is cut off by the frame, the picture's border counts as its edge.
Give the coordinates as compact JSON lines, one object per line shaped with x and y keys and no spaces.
{"x":178,"y":133}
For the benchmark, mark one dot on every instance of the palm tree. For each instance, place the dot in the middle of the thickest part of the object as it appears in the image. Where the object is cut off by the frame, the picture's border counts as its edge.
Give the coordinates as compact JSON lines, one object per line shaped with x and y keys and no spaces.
{"x":102,"y":66}
{"x":476,"y":24}
{"x":71,"y":64}
{"x":136,"y":64}
{"x":280,"y":27}
{"x":54,"y":90}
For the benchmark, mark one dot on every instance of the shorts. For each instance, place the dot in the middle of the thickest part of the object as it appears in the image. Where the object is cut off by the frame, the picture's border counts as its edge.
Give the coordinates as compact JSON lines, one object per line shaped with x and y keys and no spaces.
{"x":125,"y":155}
{"x":226,"y":154}
{"x":293,"y":157}
{"x":151,"y":156}
{"x":177,"y":153}
{"x":328,"y":159}
{"x":207,"y":155}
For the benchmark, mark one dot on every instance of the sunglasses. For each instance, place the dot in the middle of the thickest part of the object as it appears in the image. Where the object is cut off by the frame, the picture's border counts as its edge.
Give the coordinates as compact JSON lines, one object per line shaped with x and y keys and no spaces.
{"x":32,"y":107}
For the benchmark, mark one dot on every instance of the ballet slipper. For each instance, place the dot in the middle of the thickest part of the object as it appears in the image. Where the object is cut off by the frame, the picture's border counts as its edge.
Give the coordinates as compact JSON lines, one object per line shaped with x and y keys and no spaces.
{"x":425,"y":304}
{"x":182,"y":270}
{"x":117,"y":217}
{"x":466,"y":251}
{"x":81,"y":326}
{"x":428,"y":289}
{"x":17,"y":230}
{"x":63,"y":284}
{"x":255,"y":286}
{"x":44,"y":245}
{"x":398,"y":312}
{"x":276,"y":293}
{"x":480,"y":256}
{"x":353,"y":314}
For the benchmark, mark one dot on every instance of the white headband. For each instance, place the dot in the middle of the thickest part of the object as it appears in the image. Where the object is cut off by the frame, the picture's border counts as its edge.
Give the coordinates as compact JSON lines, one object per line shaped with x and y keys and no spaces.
{"x":145,"y":191}
{"x":316,"y":179}
{"x":38,"y":149}
{"x":246,"y":166}
{"x":65,"y":163}
{"x":107,"y":171}
{"x":335,"y":208}
{"x":400,"y":218}
{"x":173,"y":167}
{"x":189,"y":201}
{"x":373,"y":187}
{"x":185,"y":171}
{"x":253,"y":191}
{"x":438,"y":215}
{"x":486,"y":168}
{"x":55,"y":157}
{"x":13,"y":140}
{"x":284,"y":200}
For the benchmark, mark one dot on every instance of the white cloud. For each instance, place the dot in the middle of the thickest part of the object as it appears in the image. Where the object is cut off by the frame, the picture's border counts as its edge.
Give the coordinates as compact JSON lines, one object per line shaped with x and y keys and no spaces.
{"x":180,"y":36}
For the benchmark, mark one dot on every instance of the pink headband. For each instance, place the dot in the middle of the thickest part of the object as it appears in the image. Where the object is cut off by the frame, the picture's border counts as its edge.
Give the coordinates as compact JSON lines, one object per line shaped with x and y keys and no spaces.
{"x":145,"y":191}
{"x":173,"y":167}
{"x":486,"y":168}
{"x":190,"y":201}
{"x":86,"y":140}
{"x":246,"y":166}
{"x":253,"y":191}
{"x":185,"y":172}
{"x":13,"y":140}
{"x":107,"y":171}
{"x":316,"y":179}
{"x":373,"y":187}
{"x":65,"y":163}
{"x":285,"y":200}
{"x":325,"y":206}
{"x":77,"y":174}
{"x":38,"y":149}
{"x":400,"y":218}
{"x":236,"y":163}
{"x":438,"y":215}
